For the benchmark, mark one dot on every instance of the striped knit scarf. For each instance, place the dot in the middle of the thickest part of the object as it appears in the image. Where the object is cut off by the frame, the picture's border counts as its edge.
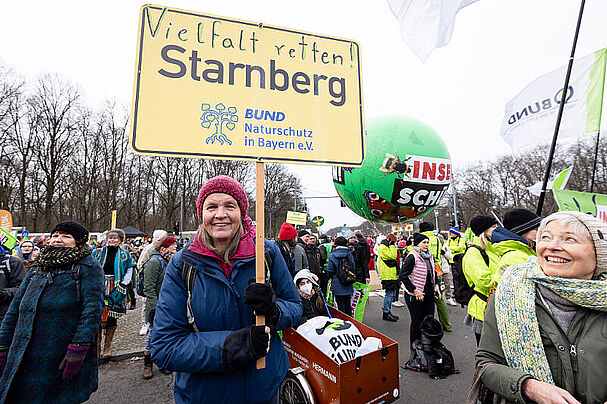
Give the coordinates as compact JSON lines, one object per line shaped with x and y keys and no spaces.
{"x":166,"y":253}
{"x":517,"y":320}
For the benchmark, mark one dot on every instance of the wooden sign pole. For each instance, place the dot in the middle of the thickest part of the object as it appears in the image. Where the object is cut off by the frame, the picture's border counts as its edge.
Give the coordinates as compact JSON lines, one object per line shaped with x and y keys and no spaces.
{"x":259,"y":240}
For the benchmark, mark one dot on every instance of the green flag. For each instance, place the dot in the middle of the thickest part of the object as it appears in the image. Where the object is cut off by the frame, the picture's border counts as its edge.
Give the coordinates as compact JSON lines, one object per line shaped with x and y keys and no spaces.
{"x":7,"y":239}
{"x":558,"y":182}
{"x":594,"y":204}
{"x":358,"y":300}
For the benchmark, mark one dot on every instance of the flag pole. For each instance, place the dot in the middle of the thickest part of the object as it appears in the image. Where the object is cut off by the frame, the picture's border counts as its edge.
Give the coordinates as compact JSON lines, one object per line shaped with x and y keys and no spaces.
{"x":596,"y":155}
{"x":540,"y":203}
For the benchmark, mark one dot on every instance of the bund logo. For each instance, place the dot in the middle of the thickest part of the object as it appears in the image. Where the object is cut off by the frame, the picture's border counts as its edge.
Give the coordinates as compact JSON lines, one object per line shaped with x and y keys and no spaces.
{"x":220,"y":118}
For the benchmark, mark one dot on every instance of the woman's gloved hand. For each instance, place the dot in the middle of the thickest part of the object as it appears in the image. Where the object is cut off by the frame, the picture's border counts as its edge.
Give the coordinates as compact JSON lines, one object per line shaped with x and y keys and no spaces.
{"x":262,"y":299}
{"x":3,"y":358}
{"x":73,"y":360}
{"x":244,"y":346}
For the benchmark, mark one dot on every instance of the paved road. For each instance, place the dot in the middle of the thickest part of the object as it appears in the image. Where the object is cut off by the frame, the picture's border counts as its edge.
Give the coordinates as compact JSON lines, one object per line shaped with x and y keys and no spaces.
{"x":419,"y":387}
{"x":121,"y":382}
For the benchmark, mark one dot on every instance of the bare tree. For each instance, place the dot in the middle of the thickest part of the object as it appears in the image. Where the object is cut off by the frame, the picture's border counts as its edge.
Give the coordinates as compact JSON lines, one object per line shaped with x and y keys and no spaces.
{"x":51,"y":109}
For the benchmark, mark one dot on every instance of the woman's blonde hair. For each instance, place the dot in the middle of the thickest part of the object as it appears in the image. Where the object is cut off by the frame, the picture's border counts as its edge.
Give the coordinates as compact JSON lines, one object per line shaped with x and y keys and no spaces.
{"x":483,"y":241}
{"x":204,"y":236}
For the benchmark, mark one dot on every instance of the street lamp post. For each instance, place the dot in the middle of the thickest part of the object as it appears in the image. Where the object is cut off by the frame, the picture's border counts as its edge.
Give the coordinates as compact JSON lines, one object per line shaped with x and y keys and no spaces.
{"x":272,"y":209}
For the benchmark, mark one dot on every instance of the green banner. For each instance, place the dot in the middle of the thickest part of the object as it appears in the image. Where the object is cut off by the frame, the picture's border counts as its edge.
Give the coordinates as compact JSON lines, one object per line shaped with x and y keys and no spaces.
{"x":358,"y":300}
{"x":593,"y":204}
{"x":7,"y":239}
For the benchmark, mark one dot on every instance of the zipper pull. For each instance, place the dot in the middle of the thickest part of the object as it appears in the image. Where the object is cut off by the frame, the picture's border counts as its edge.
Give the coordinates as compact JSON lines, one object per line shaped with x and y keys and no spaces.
{"x":573,"y":350}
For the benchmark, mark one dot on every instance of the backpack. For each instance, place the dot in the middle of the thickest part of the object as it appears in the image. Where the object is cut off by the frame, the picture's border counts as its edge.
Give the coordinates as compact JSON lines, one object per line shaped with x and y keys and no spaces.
{"x":462,"y":290}
{"x":139,"y":275}
{"x":428,"y":354}
{"x":6,"y":266}
{"x":346,"y":273}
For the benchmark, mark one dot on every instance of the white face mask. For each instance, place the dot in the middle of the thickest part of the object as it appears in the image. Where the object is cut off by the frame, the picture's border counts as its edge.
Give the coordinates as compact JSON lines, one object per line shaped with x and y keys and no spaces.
{"x":306,"y":289}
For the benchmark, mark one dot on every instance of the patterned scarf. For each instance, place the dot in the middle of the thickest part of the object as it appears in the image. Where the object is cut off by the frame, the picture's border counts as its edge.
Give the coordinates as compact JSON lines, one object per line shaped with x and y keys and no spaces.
{"x":517,"y":320}
{"x":166,"y":254}
{"x":52,"y":257}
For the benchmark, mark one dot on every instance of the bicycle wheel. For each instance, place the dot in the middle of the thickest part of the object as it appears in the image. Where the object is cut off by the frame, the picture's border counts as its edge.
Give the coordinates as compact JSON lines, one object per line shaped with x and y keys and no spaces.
{"x":295,"y":389}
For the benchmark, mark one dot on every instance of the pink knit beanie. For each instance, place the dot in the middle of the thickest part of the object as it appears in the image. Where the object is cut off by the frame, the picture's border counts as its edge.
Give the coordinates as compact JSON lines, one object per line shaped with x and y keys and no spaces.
{"x":225,"y":185}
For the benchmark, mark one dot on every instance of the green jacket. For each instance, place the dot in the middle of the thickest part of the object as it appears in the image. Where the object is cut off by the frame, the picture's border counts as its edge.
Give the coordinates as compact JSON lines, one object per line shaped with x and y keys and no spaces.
{"x":457,"y":246}
{"x":328,"y":248}
{"x":153,"y":274}
{"x":387,"y":273}
{"x":584,"y":377}
{"x":482,"y":276}
{"x":434,"y":246}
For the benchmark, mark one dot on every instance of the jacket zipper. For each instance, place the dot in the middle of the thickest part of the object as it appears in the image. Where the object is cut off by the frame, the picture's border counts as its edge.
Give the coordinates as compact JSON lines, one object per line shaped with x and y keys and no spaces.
{"x":573,"y":347}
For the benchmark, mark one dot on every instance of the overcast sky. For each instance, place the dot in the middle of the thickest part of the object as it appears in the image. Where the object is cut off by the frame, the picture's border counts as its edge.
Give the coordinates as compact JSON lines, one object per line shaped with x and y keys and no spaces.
{"x":498,"y":47}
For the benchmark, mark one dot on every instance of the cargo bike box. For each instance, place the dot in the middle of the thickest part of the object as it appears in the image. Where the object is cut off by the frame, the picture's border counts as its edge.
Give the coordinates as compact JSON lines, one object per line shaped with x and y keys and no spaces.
{"x":316,"y":378}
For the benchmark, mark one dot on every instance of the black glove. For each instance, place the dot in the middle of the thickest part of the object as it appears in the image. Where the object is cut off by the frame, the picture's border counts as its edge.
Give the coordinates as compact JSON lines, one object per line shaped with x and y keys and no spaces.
{"x":262,"y":299}
{"x":244,"y":346}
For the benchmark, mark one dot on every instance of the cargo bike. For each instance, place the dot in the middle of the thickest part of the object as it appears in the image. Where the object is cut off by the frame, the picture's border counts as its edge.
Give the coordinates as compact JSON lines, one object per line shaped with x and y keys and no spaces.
{"x":314,"y":377}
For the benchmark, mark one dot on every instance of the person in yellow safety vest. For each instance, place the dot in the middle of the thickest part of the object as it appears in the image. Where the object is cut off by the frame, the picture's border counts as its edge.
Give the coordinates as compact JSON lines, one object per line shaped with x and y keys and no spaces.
{"x":515,"y":242}
{"x":479,"y":265}
{"x":456,"y":243}
{"x":388,"y":272}
{"x":435,"y":246}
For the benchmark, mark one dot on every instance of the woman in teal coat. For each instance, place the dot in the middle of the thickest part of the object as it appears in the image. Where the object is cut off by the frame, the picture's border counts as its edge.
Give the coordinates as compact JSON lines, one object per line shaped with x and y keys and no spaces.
{"x":117,"y":265}
{"x":47,"y":338}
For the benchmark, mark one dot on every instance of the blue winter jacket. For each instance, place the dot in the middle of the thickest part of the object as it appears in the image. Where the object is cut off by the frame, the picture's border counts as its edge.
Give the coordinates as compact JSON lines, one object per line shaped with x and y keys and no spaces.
{"x":338,"y":288}
{"x":219,"y":309}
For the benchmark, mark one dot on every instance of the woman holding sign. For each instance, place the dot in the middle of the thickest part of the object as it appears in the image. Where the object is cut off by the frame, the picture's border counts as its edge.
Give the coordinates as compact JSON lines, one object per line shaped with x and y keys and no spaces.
{"x":204,"y":321}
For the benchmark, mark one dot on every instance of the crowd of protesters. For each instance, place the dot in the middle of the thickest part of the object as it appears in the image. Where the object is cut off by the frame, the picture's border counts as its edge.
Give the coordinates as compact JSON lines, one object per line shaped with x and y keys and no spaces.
{"x":534,"y":284}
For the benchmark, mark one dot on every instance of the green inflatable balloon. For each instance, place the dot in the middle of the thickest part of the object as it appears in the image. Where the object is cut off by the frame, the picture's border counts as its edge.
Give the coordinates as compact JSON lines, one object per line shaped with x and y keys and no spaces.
{"x":404,"y":175}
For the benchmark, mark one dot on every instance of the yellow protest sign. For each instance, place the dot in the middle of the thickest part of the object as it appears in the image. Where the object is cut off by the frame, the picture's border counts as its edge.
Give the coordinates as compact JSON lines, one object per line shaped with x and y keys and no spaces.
{"x":297,"y":218}
{"x":216,"y":87}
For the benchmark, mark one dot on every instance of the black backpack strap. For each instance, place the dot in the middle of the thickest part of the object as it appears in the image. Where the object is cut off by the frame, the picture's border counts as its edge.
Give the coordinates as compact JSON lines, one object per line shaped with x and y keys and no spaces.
{"x":188,"y":274}
{"x":268,"y":266}
{"x":483,"y":254}
{"x":77,"y":276}
{"x":481,"y":296}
